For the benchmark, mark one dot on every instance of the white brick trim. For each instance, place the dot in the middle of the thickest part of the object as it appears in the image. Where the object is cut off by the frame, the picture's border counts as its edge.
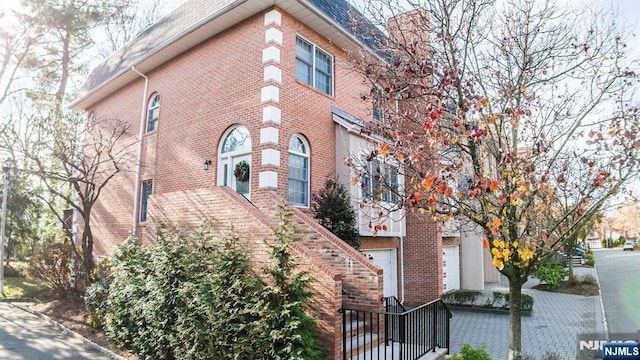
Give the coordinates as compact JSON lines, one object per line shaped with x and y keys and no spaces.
{"x":270,"y":94}
{"x":271,"y":115}
{"x":268,"y":180}
{"x":272,"y":74}
{"x":273,"y":35}
{"x":269,"y":135}
{"x":273,"y":17}
{"x":271,"y":157}
{"x":271,"y":54}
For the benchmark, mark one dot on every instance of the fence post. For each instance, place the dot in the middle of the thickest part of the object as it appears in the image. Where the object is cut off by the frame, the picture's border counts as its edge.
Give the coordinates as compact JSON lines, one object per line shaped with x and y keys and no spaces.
{"x":434,"y":329}
{"x":344,"y":334}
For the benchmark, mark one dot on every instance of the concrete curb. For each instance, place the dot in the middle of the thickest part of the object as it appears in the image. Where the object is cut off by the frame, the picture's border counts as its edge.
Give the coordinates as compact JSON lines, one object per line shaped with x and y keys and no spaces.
{"x":66,"y":330}
{"x":604,"y":316}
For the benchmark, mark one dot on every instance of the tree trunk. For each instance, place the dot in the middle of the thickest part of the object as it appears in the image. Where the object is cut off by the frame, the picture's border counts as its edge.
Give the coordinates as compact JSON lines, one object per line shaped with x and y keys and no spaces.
{"x":570,"y":245}
{"x":570,"y":259}
{"x":515,"y":320}
{"x":87,"y":251}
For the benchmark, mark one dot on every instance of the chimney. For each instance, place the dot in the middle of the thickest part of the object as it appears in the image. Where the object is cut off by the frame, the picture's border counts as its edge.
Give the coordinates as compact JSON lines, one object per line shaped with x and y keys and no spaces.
{"x":411,"y":29}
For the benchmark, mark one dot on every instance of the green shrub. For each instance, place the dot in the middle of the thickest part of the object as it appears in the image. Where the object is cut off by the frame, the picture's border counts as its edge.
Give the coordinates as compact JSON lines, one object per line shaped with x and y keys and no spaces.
{"x":590,"y":260}
{"x":551,"y":273}
{"x":331,"y":206}
{"x":95,"y":299}
{"x":462,"y":297}
{"x":527,"y":302}
{"x":500,"y":299}
{"x":467,"y":352}
{"x":551,"y":356}
{"x":503,"y":300}
{"x":195,"y":296}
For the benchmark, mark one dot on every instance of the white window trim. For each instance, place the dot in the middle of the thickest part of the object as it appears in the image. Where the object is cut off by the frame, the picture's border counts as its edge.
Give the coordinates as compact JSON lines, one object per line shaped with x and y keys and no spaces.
{"x":142,"y":199}
{"x":313,"y":66}
{"x":149,"y":108}
{"x":226,"y":158}
{"x":308,"y":156}
{"x":400,"y":176}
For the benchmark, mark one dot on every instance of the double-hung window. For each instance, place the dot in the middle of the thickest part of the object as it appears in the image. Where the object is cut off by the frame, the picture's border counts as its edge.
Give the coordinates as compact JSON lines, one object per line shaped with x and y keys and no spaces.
{"x":380,"y":182}
{"x":314,"y":66}
{"x":147,"y":189}
{"x":153,"y":113}
{"x":298,"y":192}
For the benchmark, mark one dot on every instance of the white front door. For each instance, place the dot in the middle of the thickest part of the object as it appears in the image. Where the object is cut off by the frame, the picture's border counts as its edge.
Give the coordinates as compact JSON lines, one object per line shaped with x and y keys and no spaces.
{"x":234,"y":149}
{"x":386,"y":260}
{"x":241,"y":187}
{"x":450,"y":268}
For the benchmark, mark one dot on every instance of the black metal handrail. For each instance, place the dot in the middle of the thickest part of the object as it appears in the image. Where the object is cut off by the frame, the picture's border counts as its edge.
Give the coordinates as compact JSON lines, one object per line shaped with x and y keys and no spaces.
{"x":405,"y":335}
{"x":393,"y":305}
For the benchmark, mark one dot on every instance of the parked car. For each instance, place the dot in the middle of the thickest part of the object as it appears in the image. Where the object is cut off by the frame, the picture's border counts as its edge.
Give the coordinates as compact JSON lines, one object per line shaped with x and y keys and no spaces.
{"x":579,"y":251}
{"x":628,"y":245}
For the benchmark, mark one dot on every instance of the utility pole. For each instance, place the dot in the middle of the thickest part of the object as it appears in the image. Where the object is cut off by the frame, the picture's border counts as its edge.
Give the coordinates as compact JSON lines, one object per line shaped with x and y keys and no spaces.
{"x":5,"y":191}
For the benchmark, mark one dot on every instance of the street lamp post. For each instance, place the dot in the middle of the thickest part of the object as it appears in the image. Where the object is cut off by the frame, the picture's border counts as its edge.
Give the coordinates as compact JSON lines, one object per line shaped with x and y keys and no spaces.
{"x":3,"y":224}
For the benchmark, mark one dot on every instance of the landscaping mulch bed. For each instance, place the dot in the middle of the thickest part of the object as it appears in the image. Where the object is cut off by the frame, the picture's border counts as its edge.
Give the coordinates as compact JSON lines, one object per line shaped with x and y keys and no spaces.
{"x":572,"y":287}
{"x":70,"y":311}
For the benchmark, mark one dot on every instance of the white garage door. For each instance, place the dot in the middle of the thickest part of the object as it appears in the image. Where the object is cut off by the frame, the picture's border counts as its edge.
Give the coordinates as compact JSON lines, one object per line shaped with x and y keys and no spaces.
{"x":386,"y":260}
{"x":450,"y":268}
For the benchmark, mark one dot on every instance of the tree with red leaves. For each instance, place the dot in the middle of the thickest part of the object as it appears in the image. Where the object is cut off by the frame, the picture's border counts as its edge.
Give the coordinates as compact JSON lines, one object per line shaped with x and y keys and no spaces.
{"x":519,"y":119}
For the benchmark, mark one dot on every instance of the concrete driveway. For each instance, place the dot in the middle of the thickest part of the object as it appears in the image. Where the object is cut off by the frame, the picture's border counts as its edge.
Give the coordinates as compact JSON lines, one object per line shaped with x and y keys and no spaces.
{"x":24,"y":336}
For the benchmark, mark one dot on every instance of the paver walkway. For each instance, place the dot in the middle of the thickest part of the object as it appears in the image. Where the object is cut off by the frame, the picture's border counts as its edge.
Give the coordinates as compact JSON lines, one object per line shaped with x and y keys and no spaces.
{"x":24,"y":336}
{"x":554,"y":326}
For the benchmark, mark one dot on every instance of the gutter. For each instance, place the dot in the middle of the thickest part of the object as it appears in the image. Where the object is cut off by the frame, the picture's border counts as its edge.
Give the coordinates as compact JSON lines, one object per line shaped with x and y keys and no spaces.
{"x":162,"y":46}
{"x":136,"y":185}
{"x":339,"y":27}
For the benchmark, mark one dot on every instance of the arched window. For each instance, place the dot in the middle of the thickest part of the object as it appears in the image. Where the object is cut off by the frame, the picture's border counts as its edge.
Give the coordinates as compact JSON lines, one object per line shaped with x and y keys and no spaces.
{"x":153,"y":112}
{"x":234,"y":163}
{"x":298,"y":171}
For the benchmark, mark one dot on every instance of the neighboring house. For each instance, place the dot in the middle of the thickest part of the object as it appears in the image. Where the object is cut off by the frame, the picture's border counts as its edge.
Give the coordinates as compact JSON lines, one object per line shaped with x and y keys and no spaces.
{"x":219,"y":87}
{"x":464,"y":256}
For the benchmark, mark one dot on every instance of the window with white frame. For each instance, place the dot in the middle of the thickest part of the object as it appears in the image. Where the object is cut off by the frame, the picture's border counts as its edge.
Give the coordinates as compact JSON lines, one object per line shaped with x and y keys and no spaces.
{"x":380,"y":181}
{"x":145,"y":192}
{"x":153,"y":112}
{"x":314,"y":66}
{"x":298,"y":185}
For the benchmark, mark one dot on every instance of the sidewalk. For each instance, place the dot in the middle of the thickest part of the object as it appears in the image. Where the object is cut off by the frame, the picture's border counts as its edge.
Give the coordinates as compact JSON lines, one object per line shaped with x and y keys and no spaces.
{"x":554,"y":326}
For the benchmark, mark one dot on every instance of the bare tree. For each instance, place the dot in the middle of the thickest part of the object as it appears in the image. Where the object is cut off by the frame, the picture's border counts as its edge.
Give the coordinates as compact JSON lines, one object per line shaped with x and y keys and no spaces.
{"x":519,"y":117}
{"x":134,"y":17}
{"x":17,"y":40}
{"x":626,"y":219}
{"x":75,"y":166}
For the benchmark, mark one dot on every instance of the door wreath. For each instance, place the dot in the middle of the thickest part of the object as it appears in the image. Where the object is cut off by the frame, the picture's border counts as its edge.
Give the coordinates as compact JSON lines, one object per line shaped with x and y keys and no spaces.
{"x":241,"y":171}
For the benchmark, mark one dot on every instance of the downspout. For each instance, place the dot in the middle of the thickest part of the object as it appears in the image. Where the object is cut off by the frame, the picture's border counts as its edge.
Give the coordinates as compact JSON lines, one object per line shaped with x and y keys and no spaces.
{"x":402,"y":269}
{"x":136,"y":186}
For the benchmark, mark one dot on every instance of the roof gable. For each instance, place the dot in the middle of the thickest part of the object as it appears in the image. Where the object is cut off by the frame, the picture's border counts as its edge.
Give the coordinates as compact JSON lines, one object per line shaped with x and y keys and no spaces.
{"x":197,"y":20}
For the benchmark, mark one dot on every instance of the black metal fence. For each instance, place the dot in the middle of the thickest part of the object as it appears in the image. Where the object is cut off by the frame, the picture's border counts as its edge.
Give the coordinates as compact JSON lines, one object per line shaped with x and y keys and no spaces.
{"x":395,"y":333}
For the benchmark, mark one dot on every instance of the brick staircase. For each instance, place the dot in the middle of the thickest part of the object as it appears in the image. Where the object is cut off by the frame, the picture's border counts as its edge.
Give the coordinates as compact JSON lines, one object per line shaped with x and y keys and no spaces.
{"x":342,"y":276}
{"x":361,"y":280}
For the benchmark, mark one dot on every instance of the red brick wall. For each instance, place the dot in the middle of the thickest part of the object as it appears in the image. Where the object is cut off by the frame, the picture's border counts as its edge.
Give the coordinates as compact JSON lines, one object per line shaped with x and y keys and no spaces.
{"x":423,"y":261}
{"x":216,"y":85}
{"x":205,"y":91}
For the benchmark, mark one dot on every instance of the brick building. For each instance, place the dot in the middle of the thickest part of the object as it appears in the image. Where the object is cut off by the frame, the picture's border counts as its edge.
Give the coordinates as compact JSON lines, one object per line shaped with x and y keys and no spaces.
{"x":220,"y":86}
